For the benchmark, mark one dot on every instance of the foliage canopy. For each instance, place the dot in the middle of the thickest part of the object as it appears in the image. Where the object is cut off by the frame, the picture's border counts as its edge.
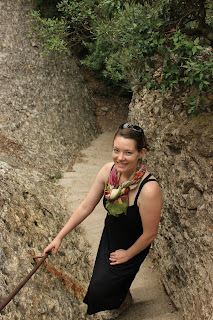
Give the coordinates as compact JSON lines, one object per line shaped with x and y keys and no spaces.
{"x":160,"y":44}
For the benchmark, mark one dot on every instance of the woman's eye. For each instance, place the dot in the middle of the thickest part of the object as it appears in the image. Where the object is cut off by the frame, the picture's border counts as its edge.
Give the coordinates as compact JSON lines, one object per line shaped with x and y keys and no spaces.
{"x":128,"y":153}
{"x":116,"y":150}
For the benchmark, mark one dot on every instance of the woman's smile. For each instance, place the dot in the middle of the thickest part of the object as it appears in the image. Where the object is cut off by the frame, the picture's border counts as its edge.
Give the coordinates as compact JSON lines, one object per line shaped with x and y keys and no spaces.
{"x":121,"y":165}
{"x":125,"y":155}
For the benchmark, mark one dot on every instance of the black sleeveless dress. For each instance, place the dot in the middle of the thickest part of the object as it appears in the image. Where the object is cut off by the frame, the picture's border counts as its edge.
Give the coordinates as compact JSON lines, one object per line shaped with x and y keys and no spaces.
{"x":109,"y":284}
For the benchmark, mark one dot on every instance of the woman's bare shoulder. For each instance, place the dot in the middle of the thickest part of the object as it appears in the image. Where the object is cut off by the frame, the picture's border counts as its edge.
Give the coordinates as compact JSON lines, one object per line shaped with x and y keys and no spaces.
{"x":108,"y":165}
{"x":105,"y":171}
{"x":107,"y":168}
{"x":151,"y":189}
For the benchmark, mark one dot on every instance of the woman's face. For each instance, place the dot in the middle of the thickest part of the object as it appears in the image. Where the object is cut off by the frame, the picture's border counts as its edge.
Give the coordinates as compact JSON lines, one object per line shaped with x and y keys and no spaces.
{"x":125,"y":155}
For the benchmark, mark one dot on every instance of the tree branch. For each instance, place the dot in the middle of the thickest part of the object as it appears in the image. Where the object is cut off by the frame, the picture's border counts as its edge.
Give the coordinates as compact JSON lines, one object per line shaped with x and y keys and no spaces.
{"x":206,"y":32}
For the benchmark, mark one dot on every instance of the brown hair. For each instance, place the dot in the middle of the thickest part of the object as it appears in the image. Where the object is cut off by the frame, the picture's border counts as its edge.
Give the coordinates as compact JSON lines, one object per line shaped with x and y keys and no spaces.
{"x":130,"y":131}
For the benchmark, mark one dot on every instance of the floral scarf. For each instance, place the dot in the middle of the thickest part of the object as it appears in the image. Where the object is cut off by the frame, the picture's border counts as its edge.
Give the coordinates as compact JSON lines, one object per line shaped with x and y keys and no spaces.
{"x":117,"y":195}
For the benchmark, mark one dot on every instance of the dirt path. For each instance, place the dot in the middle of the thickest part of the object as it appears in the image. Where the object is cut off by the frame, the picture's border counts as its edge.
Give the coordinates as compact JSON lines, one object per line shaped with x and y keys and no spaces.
{"x":150,"y":299}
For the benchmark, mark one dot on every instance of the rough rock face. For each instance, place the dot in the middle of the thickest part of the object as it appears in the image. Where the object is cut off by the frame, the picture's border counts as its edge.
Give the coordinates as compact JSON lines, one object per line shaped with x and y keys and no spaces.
{"x":180,"y":157}
{"x":31,"y":216}
{"x":46,"y":118}
{"x":45,"y":106}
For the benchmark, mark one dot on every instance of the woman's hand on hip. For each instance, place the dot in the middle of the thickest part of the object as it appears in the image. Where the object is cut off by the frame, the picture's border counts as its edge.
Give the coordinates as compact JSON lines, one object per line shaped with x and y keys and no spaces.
{"x":118,"y":257}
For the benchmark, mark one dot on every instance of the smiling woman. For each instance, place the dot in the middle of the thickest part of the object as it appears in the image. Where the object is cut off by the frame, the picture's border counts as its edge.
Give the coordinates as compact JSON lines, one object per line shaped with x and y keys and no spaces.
{"x":133,"y":200}
{"x":126,"y":156}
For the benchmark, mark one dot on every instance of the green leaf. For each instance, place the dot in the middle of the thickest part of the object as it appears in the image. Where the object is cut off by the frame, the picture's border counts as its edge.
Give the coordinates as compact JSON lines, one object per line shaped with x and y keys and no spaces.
{"x":162,"y":40}
{"x":58,"y":175}
{"x":206,"y":83}
{"x":184,"y":79}
{"x":148,"y":85}
{"x":200,"y":86}
{"x":194,"y":50}
{"x":196,"y":41}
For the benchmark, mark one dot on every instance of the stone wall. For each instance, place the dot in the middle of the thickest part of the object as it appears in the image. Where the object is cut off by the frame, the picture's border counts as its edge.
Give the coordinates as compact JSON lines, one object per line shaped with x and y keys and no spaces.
{"x":45,"y":106}
{"x":46,"y":118}
{"x":31,"y":216}
{"x":180,"y":156}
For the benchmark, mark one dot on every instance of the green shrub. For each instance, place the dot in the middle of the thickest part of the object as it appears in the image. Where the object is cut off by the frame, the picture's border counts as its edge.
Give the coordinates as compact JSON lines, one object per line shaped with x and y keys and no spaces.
{"x":131,"y":42}
{"x":53,"y":32}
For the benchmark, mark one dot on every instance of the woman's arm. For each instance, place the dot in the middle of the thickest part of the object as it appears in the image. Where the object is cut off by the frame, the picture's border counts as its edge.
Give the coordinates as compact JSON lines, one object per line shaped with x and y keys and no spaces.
{"x":150,"y":202}
{"x":84,"y":209}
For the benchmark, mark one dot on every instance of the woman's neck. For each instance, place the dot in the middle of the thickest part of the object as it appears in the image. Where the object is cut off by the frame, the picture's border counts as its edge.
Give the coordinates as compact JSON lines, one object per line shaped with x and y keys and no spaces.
{"x":125,"y":177}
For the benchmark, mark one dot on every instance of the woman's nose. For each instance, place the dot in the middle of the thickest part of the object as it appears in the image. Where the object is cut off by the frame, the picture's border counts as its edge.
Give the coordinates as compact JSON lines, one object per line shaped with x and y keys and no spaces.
{"x":120,"y":156}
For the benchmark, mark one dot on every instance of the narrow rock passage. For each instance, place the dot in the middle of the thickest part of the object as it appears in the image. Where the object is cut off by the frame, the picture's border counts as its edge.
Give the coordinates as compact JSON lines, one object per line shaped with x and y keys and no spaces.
{"x":150,"y":299}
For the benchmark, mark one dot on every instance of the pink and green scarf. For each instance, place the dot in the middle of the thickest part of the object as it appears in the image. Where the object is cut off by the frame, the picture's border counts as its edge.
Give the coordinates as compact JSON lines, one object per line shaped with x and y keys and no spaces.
{"x":117,"y":195}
